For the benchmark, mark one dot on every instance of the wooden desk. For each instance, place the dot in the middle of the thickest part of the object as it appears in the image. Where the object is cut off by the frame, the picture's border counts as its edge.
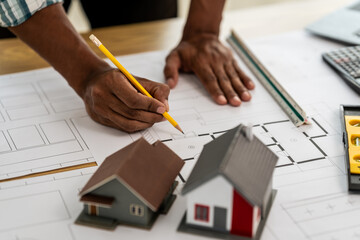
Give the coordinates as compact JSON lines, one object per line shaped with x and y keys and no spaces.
{"x":15,"y":56}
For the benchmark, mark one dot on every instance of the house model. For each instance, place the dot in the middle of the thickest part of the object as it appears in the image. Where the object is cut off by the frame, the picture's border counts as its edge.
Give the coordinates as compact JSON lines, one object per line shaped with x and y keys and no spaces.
{"x":132,"y":186}
{"x":229,"y":192}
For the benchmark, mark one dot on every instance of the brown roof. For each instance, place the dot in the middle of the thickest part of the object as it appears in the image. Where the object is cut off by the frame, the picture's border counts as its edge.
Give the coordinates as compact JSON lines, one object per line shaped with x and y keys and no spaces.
{"x":97,"y":200}
{"x":148,"y":171}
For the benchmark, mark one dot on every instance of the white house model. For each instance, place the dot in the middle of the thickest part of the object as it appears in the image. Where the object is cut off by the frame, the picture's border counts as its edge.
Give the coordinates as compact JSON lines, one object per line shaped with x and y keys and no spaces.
{"x":231,"y":184}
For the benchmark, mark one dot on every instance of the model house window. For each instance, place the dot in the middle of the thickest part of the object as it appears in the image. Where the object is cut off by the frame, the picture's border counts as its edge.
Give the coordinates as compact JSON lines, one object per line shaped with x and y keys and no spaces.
{"x":201,"y":212}
{"x":136,"y":210}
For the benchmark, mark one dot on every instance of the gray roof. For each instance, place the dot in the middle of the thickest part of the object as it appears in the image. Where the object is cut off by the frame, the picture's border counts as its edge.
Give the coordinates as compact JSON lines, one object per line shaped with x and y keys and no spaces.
{"x":246,"y":163}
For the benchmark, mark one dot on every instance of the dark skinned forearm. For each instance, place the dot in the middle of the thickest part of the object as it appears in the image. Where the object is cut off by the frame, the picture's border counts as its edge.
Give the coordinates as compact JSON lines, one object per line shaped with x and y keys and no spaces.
{"x":51,"y":35}
{"x":201,"y":52}
{"x":204,"y":17}
{"x":108,"y":96}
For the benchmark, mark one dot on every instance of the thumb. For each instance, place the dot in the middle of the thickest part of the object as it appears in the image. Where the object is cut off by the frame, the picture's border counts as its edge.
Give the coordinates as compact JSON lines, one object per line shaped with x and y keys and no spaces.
{"x":171,"y":70}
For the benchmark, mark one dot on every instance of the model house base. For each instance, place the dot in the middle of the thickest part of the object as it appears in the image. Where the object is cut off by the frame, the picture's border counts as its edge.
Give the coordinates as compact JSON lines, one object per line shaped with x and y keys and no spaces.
{"x":206,"y":232}
{"x":96,"y":221}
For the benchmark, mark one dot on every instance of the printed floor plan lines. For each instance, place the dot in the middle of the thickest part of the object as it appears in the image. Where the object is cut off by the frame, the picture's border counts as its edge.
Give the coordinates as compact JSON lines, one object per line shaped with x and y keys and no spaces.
{"x":46,"y":146}
{"x":281,"y":136}
{"x":44,"y":129}
{"x":38,"y":136}
{"x":318,"y":217}
{"x":49,"y":200}
{"x":285,"y":144}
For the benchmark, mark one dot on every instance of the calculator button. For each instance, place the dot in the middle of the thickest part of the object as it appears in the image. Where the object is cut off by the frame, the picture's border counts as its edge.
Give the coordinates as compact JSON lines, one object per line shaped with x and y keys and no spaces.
{"x":347,"y":62}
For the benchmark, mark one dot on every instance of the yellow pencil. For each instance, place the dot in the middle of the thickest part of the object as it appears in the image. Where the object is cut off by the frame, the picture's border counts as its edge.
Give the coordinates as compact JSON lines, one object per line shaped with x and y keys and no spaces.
{"x":130,"y":77}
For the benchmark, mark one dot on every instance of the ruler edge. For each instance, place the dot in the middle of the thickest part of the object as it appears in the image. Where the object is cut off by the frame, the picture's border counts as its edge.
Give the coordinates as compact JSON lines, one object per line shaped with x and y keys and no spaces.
{"x":288,"y":97}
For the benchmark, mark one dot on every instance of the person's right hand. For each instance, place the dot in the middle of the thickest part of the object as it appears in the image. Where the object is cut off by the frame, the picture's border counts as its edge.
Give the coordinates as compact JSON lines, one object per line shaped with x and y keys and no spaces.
{"x":110,"y":99}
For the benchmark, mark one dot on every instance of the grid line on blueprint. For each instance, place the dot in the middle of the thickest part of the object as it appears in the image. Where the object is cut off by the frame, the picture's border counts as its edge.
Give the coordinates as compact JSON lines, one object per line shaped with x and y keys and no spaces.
{"x":275,"y":142}
{"x":317,"y":218}
{"x":284,"y":143}
{"x":37,"y":201}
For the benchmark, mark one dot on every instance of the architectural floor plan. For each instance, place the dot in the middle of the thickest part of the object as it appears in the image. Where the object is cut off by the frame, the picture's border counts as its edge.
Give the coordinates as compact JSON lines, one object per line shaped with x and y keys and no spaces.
{"x":44,"y":129}
{"x":37,"y":134}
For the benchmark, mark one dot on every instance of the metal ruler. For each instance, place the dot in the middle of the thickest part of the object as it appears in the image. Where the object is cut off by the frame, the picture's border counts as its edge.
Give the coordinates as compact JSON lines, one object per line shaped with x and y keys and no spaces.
{"x":286,"y":102}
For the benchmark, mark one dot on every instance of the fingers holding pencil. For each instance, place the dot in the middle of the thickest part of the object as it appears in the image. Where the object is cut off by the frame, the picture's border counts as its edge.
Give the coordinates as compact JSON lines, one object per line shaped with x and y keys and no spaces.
{"x":133,"y":81}
{"x":145,"y":108}
{"x":111,"y":100}
{"x":158,"y":91}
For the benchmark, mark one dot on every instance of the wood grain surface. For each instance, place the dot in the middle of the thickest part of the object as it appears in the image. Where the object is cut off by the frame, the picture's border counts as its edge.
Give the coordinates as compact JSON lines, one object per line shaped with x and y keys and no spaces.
{"x":15,"y":56}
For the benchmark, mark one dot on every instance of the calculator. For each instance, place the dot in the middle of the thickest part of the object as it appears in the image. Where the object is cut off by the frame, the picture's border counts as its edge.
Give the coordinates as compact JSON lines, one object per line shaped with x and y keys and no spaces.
{"x":346,"y":62}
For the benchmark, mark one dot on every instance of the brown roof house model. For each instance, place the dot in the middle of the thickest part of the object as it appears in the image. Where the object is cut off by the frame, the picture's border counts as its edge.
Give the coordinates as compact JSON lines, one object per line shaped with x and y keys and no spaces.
{"x":132,"y":186}
{"x":229,"y":192}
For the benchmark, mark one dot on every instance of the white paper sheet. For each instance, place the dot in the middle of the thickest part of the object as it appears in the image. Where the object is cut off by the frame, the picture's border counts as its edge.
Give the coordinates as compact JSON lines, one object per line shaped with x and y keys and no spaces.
{"x":43,"y":126}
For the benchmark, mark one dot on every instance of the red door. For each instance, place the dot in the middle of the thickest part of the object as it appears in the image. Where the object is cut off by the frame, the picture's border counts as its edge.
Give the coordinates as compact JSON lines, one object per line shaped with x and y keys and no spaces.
{"x":242,"y":216}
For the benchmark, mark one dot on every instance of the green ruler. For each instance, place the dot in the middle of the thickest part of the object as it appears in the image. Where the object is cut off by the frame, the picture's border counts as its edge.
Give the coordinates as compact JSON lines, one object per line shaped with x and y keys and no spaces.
{"x":286,"y":102}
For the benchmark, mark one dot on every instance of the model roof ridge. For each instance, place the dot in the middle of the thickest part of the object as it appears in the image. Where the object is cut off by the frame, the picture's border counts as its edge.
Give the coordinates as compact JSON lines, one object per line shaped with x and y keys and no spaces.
{"x":244,"y":174}
{"x":213,"y":166}
{"x":144,"y":144}
{"x":132,"y":148}
{"x":228,"y":157}
{"x":230,"y":150}
{"x":229,"y":153}
{"x":259,"y":169}
{"x":125,"y":165}
{"x":241,"y":129}
{"x":107,"y":163}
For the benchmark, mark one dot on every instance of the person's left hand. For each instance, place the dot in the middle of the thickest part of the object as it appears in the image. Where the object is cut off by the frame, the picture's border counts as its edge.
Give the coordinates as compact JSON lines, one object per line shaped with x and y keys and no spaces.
{"x":213,"y":64}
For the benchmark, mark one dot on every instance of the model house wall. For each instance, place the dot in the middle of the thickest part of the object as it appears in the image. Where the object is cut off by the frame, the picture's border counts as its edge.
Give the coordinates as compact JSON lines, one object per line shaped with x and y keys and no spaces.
{"x":122,"y":208}
{"x":212,"y":206}
{"x":214,"y":193}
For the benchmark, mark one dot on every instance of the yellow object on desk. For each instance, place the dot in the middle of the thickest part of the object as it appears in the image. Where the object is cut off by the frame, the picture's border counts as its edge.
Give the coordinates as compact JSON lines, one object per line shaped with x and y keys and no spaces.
{"x":353,"y":134}
{"x":130,"y":77}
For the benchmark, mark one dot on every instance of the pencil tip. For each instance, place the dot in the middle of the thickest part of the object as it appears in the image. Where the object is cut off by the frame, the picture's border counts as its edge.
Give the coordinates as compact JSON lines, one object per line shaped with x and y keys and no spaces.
{"x":179,"y":128}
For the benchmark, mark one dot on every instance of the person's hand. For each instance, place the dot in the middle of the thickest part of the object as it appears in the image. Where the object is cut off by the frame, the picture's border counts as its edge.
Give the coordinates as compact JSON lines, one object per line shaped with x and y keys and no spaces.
{"x":110,"y":99}
{"x":213,"y":64}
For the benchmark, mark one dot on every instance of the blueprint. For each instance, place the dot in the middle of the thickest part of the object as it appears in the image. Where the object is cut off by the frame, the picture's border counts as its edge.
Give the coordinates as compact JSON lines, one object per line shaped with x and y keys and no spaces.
{"x":36,"y":132}
{"x":44,"y":128}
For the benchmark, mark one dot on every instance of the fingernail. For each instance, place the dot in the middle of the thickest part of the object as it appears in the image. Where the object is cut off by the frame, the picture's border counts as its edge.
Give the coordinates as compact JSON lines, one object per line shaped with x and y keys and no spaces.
{"x":170,"y":82}
{"x":245,"y":96}
{"x":251,"y":85}
{"x":160,"y":110}
{"x":235,"y":100}
{"x":222,"y":99}
{"x":167,"y":105}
